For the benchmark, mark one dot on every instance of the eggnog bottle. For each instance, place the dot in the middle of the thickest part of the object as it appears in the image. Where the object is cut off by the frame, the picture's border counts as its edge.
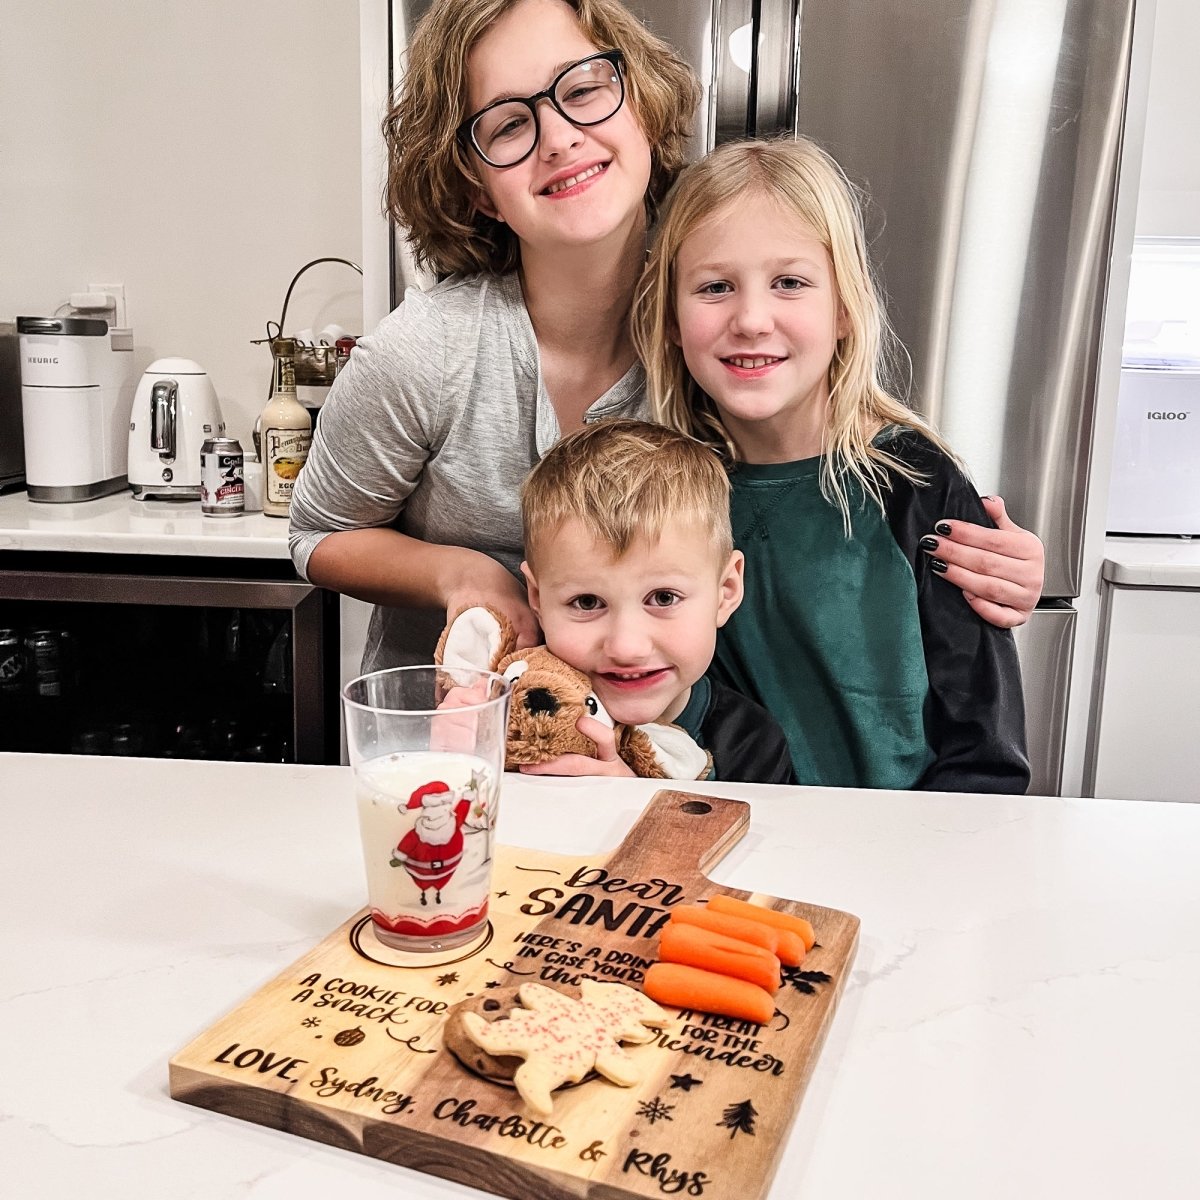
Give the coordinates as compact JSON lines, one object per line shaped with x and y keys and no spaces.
{"x":286,"y":433}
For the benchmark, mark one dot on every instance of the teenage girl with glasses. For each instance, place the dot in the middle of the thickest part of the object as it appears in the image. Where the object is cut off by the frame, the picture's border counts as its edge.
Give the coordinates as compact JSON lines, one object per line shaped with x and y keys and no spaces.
{"x":409,"y":498}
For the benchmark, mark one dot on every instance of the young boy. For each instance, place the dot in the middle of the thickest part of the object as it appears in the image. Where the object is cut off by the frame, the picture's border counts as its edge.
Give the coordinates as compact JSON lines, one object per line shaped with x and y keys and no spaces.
{"x":631,"y":571}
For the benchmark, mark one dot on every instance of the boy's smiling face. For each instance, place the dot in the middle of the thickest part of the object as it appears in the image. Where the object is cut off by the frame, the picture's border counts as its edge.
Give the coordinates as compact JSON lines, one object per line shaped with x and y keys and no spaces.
{"x":643,"y":625}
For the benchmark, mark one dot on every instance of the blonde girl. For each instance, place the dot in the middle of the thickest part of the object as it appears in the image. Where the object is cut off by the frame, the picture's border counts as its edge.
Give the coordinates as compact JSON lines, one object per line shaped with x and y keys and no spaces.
{"x":528,"y":147}
{"x":763,"y":335}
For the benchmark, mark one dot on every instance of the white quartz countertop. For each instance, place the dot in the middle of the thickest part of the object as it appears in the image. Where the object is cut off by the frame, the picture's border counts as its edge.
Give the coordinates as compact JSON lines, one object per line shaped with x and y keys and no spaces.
{"x":119,"y":524}
{"x":1020,"y":1020}
{"x":1152,"y":561}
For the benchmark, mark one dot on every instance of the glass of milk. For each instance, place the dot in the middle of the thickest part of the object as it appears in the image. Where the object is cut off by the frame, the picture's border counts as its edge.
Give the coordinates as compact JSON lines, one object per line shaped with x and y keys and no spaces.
{"x":426,"y":746}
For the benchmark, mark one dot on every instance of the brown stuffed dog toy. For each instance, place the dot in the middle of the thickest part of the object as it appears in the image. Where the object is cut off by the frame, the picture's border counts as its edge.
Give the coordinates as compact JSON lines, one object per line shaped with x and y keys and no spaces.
{"x":549,"y":697}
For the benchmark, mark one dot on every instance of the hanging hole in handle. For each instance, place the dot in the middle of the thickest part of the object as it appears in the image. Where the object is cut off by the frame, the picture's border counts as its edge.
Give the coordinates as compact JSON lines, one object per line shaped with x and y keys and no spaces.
{"x":695,"y":808}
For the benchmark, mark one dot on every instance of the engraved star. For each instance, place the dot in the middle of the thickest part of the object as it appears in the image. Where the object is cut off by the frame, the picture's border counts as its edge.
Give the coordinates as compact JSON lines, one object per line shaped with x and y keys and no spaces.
{"x":685,"y":1082}
{"x":501,"y":895}
{"x":449,"y":977}
{"x":492,"y":983}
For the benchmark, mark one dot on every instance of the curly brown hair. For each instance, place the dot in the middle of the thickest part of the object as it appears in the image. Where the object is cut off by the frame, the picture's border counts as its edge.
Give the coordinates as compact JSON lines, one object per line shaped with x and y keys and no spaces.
{"x":432,"y":180}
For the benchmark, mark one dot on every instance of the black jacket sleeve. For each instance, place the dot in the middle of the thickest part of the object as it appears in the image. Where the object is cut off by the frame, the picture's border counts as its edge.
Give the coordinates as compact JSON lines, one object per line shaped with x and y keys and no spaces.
{"x":746,"y":742}
{"x":975,"y":712}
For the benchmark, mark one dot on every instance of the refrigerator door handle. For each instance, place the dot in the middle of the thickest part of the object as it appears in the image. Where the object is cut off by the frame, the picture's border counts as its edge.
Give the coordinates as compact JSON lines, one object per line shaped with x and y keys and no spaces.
{"x":777,"y":71}
{"x":734,"y":32}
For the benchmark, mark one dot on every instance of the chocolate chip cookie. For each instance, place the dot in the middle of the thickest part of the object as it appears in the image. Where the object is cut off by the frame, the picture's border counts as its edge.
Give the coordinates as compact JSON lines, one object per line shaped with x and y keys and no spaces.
{"x":491,"y":1005}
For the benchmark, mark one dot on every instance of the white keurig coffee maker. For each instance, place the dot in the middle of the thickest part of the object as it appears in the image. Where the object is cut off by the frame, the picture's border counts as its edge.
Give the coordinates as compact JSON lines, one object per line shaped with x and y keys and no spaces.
{"x":76,"y":394}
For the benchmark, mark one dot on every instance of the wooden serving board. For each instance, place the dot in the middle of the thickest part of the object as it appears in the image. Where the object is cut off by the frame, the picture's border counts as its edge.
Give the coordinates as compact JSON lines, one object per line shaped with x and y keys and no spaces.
{"x":345,"y":1046}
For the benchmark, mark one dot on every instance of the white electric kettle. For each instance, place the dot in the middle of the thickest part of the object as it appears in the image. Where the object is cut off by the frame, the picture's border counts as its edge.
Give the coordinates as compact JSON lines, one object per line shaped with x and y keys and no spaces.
{"x":175,"y":410}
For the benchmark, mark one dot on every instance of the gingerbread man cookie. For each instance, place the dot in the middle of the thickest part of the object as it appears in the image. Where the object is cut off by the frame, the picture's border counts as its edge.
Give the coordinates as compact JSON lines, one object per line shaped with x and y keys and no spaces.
{"x":561,"y":1039}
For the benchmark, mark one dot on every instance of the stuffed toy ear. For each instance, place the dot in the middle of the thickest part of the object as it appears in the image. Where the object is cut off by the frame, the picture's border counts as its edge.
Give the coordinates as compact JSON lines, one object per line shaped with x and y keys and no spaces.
{"x":665,"y":752}
{"x":477,"y":637}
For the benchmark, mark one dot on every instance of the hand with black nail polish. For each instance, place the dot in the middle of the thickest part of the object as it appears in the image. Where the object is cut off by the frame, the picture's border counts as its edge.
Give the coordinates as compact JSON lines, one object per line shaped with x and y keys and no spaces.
{"x":1000,"y":570}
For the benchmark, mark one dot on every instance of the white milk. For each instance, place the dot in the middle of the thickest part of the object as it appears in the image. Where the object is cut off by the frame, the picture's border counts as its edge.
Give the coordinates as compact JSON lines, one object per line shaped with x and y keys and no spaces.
{"x":455,"y":889}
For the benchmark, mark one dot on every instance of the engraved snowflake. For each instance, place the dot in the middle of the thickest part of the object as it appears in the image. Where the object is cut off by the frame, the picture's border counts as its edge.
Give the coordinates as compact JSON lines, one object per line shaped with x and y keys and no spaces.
{"x":449,"y":977}
{"x":310,"y":1022}
{"x":655,"y":1110}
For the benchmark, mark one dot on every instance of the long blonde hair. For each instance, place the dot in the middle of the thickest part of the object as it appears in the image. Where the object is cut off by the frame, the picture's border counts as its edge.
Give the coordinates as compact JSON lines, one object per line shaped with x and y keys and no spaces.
{"x":433,"y":181}
{"x":805,"y":181}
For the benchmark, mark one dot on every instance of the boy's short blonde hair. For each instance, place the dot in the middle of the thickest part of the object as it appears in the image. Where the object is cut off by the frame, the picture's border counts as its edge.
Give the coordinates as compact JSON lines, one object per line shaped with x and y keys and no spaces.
{"x":626,"y":479}
{"x":433,"y":181}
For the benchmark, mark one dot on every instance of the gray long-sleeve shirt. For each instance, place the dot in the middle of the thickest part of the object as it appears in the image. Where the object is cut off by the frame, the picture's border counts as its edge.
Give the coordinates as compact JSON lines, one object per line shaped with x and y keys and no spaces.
{"x":430,"y":429}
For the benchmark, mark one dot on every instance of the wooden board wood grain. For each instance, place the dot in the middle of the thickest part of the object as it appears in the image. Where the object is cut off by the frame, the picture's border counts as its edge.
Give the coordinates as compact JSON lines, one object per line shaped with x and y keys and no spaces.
{"x":345,"y":1046}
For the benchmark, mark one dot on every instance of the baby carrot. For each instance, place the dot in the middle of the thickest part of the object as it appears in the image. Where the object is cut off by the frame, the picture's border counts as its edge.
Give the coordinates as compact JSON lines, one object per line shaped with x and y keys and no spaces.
{"x":735,"y":927}
{"x":768,"y":916}
{"x":696,"y":947}
{"x":787,"y":946}
{"x":706,"y":991}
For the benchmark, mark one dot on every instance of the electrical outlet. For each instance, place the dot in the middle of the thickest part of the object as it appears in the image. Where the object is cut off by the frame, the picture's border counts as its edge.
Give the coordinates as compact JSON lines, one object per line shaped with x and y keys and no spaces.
{"x":117,"y":292}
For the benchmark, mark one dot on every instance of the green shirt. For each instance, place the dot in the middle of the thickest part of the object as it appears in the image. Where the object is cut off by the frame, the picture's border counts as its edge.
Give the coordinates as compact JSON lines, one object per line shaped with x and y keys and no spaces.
{"x":828,"y":638}
{"x":879,"y":672}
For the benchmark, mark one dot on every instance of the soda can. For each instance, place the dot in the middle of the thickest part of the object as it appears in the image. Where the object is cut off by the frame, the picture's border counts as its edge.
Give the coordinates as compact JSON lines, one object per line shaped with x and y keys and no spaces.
{"x":12,"y":661}
{"x":222,"y":482}
{"x":43,"y":655}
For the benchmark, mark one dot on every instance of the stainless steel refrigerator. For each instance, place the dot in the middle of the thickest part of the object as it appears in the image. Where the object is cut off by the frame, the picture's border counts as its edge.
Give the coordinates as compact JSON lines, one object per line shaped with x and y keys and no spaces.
{"x":988,"y":135}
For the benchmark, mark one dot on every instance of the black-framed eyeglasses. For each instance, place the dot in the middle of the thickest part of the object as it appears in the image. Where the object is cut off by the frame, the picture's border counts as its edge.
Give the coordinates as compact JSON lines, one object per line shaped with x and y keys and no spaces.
{"x":586,"y":93}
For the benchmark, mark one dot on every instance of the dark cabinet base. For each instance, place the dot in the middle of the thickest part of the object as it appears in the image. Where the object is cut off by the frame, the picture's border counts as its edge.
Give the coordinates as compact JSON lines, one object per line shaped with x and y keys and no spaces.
{"x":190,"y":664}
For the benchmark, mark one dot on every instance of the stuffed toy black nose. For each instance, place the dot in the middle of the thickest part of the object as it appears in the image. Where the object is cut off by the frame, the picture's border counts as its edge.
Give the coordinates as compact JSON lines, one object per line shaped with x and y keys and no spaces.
{"x":541,"y":700}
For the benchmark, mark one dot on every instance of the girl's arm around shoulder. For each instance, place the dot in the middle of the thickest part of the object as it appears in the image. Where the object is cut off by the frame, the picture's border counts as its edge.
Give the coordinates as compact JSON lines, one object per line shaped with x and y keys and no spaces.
{"x":975,"y":714}
{"x":999,"y":567}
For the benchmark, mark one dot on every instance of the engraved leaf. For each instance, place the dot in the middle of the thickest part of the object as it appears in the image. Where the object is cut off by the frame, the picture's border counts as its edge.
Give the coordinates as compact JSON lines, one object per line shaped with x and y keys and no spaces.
{"x":804,"y":981}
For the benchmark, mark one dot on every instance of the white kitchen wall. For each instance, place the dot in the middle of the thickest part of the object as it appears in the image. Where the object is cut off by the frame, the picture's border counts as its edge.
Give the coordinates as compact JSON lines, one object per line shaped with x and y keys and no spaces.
{"x":198,"y":153}
{"x":1169,"y":196}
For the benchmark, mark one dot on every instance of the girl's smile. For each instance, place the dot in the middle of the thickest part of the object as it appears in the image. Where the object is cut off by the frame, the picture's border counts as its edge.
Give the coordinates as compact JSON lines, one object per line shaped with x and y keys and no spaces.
{"x":751,"y":367}
{"x":573,"y":180}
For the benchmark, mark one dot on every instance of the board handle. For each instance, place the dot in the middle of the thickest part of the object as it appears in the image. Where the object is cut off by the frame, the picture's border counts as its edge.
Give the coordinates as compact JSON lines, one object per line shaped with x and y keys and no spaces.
{"x":683,"y":833}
